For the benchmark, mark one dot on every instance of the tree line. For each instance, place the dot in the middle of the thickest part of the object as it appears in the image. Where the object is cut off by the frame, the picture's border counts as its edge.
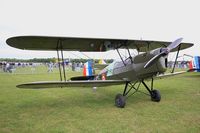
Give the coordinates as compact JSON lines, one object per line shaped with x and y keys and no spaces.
{"x":46,"y":60}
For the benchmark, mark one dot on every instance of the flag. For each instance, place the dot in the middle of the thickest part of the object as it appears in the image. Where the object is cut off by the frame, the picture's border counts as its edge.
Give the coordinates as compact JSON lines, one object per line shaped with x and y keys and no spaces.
{"x":87,"y":69}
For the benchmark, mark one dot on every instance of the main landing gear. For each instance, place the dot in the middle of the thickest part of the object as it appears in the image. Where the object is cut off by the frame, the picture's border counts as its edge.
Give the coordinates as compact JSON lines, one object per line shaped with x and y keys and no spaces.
{"x":120,"y":99}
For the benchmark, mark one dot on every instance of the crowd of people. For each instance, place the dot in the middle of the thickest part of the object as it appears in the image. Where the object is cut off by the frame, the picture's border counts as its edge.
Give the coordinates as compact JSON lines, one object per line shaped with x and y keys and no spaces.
{"x":75,"y":66}
{"x":179,"y":64}
{"x":10,"y":67}
{"x":7,"y":67}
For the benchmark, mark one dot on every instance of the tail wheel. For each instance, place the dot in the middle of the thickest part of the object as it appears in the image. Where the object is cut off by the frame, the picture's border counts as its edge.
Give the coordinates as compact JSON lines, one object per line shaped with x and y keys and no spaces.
{"x":155,"y":96}
{"x":120,"y":101}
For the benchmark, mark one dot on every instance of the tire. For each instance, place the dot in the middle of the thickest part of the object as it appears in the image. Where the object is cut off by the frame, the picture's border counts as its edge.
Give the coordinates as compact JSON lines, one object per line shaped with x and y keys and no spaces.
{"x":155,"y":96}
{"x":120,"y":101}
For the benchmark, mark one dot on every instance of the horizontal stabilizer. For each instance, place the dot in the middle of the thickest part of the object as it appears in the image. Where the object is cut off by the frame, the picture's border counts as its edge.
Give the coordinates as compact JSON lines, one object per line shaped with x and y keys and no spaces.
{"x":56,"y":84}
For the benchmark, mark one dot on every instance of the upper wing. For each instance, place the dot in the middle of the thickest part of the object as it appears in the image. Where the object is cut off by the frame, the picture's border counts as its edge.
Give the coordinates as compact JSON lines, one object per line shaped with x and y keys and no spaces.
{"x":86,"y":83}
{"x":85,"y":44}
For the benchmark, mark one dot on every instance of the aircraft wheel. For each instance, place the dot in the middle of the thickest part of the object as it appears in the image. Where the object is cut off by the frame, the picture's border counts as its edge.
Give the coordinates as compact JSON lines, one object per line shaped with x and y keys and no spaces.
{"x":155,"y":96}
{"x":120,"y":101}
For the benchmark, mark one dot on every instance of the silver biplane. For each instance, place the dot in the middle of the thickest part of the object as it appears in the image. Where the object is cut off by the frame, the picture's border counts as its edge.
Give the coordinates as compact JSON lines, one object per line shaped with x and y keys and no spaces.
{"x":149,"y":64}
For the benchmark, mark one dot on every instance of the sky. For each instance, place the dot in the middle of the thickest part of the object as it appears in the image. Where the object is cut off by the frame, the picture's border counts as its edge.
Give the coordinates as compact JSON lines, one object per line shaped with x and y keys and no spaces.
{"x":161,"y":20}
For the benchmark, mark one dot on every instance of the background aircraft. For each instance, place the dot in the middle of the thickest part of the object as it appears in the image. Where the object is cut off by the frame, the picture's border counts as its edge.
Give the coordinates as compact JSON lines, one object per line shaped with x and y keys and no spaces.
{"x":133,"y":71}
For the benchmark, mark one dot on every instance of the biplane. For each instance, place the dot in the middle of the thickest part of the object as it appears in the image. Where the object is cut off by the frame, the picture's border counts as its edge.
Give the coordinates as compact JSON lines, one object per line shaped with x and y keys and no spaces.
{"x":150,"y":63}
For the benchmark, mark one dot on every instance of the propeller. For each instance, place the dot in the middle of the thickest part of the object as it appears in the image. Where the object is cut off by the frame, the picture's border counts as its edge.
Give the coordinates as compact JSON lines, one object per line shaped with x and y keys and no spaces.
{"x":164,"y":52}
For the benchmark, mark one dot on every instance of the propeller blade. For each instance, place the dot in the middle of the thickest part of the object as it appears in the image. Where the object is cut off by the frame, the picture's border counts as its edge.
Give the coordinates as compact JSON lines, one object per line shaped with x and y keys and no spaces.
{"x":165,"y":51}
{"x":174,"y":44}
{"x":153,"y":60}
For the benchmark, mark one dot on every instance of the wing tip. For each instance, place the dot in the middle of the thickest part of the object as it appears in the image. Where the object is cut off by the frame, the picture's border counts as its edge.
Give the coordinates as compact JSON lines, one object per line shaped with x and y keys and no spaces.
{"x":21,"y":86}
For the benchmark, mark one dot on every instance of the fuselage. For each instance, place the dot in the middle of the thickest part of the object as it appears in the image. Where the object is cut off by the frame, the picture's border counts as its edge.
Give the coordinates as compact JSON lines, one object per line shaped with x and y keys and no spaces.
{"x":132,"y":69}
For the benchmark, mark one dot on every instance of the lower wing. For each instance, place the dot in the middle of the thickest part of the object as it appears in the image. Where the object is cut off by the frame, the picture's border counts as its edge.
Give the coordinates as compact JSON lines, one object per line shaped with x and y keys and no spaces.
{"x":82,"y":83}
{"x":169,"y":74}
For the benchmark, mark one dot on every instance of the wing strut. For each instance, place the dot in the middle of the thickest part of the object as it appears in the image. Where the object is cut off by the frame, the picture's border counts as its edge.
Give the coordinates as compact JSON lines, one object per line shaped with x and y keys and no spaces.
{"x":63,"y":63}
{"x":179,"y":47}
{"x":59,"y":65}
{"x":130,"y":55}
{"x":59,"y":47}
{"x":121,"y":57}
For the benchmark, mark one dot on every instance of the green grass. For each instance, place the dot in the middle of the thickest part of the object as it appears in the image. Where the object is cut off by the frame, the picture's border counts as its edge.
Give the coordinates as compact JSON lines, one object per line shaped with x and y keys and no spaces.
{"x":74,"y":110}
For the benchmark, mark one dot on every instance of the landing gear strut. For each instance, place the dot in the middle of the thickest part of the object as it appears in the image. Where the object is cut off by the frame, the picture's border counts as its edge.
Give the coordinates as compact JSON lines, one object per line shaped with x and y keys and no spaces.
{"x":120,"y":99}
{"x":155,"y":94}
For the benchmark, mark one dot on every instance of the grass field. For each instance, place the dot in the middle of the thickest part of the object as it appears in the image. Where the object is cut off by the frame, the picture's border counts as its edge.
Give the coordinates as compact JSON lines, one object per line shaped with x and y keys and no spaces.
{"x":62,"y":110}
